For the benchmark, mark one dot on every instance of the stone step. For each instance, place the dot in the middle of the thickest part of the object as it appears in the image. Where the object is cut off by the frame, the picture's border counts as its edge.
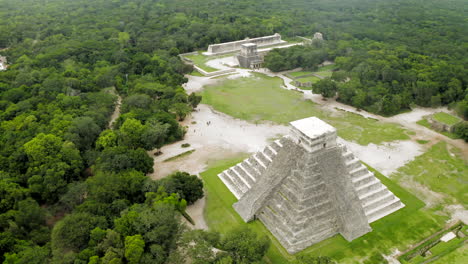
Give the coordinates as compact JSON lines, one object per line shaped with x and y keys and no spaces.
{"x":293,"y":192}
{"x":353,"y":164}
{"x":372,"y":195}
{"x":317,"y":236}
{"x":382,"y":206}
{"x":272,"y":150}
{"x":303,"y":209}
{"x":360,"y":171}
{"x":276,"y":145}
{"x":269,"y":152}
{"x":240,"y":184}
{"x":264,"y":160}
{"x":378,"y":201}
{"x":251,"y":169}
{"x":258,"y":161}
{"x":370,"y":186}
{"x":347,"y":155}
{"x":310,"y":230}
{"x":249,"y":176}
{"x":230,"y":185}
{"x":304,"y":182}
{"x":298,"y":191}
{"x":363,"y":179}
{"x":256,"y":164}
{"x":233,"y":171}
{"x":390,"y":208}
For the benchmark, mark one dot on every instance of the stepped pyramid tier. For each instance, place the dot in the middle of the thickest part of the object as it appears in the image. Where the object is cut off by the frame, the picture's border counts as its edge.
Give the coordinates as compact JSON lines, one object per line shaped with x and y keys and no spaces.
{"x":305,"y":188}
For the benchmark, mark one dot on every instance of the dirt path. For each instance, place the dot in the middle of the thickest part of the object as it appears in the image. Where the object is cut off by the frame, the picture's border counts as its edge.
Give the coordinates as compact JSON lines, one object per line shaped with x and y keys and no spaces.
{"x":116,"y":112}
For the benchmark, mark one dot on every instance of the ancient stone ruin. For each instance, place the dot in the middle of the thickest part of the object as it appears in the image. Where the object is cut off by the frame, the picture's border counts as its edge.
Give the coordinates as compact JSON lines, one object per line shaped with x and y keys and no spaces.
{"x":227,"y":47}
{"x":3,"y":63}
{"x":318,"y":36}
{"x":305,"y":188}
{"x":249,"y":57}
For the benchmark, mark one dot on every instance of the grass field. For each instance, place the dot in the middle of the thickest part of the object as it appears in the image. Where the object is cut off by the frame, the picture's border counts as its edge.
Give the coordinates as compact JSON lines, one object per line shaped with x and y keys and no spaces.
{"x":398,"y":230}
{"x":324,"y":74}
{"x":196,"y":73}
{"x":299,"y":73}
{"x":312,"y":79}
{"x":260,"y":98}
{"x":460,"y":255}
{"x":442,"y":170}
{"x":446,"y":118}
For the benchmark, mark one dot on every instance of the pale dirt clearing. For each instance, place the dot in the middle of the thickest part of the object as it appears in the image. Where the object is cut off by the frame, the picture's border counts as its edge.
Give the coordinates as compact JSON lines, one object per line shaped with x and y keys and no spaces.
{"x":222,"y":138}
{"x":214,"y":136}
{"x":387,"y":157}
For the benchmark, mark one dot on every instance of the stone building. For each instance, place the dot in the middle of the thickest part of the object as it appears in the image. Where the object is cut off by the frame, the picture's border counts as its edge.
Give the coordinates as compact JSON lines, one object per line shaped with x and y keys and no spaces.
{"x":318,"y":36}
{"x":3,"y":63}
{"x":305,"y":188}
{"x":249,"y":57}
{"x":233,"y":46}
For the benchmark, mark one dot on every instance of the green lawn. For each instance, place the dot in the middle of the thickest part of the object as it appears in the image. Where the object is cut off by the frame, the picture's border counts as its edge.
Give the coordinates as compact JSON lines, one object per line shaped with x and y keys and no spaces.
{"x":327,"y":68}
{"x":196,"y":73}
{"x":446,"y":118}
{"x":440,"y":169}
{"x":460,"y":255}
{"x":261,"y":98}
{"x":324,"y":74}
{"x":312,"y":79}
{"x":398,"y":230}
{"x":299,"y":73}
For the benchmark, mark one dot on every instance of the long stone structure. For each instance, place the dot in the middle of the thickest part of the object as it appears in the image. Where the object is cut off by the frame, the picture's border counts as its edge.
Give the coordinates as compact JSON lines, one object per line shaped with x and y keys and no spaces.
{"x":227,"y":47}
{"x":305,"y":188}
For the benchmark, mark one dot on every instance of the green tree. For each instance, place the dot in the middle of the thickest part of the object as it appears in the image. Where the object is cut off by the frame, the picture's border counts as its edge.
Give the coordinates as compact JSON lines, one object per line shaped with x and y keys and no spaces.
{"x":244,"y":246}
{"x":326,"y":87}
{"x":189,"y":187}
{"x":72,"y":233}
{"x":134,"y":248}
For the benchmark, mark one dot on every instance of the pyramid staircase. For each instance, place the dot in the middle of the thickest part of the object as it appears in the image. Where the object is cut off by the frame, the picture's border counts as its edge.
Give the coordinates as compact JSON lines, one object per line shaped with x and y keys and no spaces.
{"x":305,"y":188}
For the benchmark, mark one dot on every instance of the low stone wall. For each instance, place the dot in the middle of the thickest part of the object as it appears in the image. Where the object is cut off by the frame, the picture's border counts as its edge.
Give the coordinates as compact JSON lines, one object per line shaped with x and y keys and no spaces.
{"x":214,"y":73}
{"x":236,"y":45}
{"x":301,"y":84}
{"x":439,"y":126}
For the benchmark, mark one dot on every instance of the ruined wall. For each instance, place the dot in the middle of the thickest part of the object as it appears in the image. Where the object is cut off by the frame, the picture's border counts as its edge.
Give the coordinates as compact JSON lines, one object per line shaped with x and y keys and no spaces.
{"x":236,"y":45}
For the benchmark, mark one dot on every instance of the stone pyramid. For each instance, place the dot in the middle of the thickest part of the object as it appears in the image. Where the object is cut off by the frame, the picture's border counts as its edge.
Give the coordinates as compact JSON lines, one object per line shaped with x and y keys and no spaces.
{"x":305,"y":188}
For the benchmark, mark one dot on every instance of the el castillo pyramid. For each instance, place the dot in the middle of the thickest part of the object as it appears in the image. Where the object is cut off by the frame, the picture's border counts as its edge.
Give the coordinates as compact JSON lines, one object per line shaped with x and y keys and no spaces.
{"x":305,"y":188}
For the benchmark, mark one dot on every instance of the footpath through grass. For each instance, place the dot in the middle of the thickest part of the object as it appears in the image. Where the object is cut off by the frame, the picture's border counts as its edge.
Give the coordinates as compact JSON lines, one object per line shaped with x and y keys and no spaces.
{"x":442,"y":170}
{"x":261,"y":98}
{"x":406,"y":226}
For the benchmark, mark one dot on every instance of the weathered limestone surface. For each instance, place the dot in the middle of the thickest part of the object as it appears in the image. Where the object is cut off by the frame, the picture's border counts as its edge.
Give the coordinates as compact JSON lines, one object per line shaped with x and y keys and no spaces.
{"x":248,"y":56}
{"x":306,"y":188}
{"x":236,"y":45}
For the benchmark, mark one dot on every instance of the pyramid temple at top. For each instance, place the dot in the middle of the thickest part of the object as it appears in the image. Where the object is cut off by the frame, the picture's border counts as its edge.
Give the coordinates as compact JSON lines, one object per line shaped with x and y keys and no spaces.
{"x":305,"y":188}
